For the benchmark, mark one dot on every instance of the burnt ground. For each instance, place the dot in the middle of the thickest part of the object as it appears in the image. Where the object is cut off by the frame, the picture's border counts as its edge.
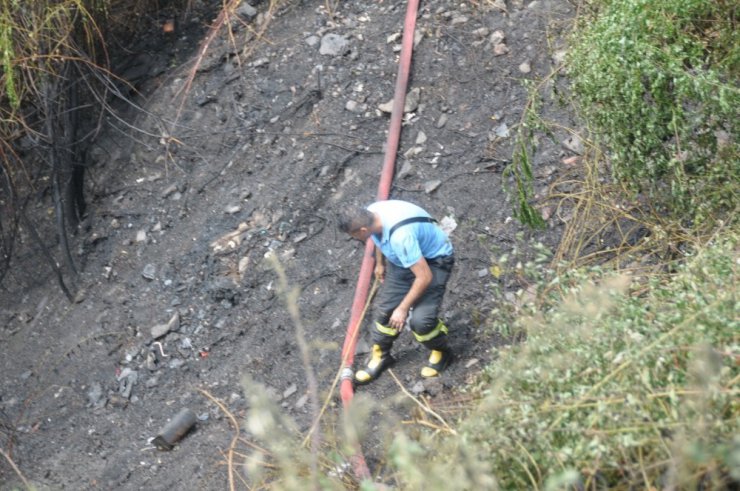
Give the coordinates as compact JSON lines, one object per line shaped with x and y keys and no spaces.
{"x":272,"y":139}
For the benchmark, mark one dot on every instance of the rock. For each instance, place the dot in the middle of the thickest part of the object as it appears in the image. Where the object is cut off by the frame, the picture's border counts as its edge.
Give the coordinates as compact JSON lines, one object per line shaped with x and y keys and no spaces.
{"x":351,"y":106}
{"x":406,"y":169}
{"x":290,"y":391}
{"x":151,"y":362}
{"x":497,"y":37}
{"x":500,"y":4}
{"x":412,"y":152}
{"x":471,"y":362}
{"x":418,"y":388}
{"x":231,"y":209}
{"x":301,"y":402}
{"x":421,"y":138}
{"x":150,"y":272}
{"x":448,"y":225}
{"x":333,"y":45}
{"x":502,"y":131}
{"x":431,"y":186}
{"x":160,"y":330}
{"x":126,"y":381}
{"x":312,"y":41}
{"x":459,"y":19}
{"x":525,"y":67}
{"x":558,"y":57}
{"x":442,"y":121}
{"x":141,"y":236}
{"x":393,"y":38}
{"x":574,"y":144}
{"x":500,"y":49}
{"x":481,"y":32}
{"x":433,"y":386}
{"x":386,"y":107}
{"x":246,"y":11}
{"x":412,"y":100}
{"x":94,"y":395}
{"x":482,"y":273}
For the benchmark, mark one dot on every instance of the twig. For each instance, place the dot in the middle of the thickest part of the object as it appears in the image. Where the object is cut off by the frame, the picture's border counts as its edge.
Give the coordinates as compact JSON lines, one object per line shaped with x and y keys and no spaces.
{"x":424,"y":407}
{"x":15,"y":468}
{"x":230,"y":452}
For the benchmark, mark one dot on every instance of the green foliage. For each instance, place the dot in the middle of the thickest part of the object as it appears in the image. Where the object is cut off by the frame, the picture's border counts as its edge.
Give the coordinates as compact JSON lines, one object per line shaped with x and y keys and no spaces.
{"x":658,"y":80}
{"x":616,"y":390}
{"x":520,"y":169}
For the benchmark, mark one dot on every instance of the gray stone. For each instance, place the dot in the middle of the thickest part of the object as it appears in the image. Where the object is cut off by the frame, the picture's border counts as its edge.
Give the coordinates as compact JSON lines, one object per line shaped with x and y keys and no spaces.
{"x":150,"y":272}
{"x":497,"y":37}
{"x":333,"y":45}
{"x":246,"y":11}
{"x":290,"y":391}
{"x":94,"y":394}
{"x":574,"y":144}
{"x":412,"y":100}
{"x":431,"y":186}
{"x":406,"y":169}
{"x":525,"y":67}
{"x":500,"y":49}
{"x":458,"y":20}
{"x":442,"y":121}
{"x":301,"y":402}
{"x":312,"y":41}
{"x":161,"y":329}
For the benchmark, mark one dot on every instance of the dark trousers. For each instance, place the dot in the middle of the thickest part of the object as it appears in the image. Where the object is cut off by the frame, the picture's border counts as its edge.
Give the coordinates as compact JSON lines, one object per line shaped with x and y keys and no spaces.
{"x":423,"y":318}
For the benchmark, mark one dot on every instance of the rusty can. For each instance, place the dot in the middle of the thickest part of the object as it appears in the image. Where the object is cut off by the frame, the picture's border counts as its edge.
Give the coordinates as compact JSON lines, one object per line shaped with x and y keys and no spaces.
{"x":175,"y":429}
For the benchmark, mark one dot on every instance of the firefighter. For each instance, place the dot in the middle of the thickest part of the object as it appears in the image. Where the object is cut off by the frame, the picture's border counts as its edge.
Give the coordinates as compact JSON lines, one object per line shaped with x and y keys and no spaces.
{"x":413,"y":259}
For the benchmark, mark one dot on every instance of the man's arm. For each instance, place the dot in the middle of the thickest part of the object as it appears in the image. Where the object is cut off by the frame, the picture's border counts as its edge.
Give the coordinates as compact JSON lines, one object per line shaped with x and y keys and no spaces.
{"x":379,"y":264}
{"x":422,"y":280}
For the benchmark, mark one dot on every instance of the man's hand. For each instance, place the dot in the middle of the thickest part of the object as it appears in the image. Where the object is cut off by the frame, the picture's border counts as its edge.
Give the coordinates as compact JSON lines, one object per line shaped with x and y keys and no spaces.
{"x":380,"y":271}
{"x":398,"y":318}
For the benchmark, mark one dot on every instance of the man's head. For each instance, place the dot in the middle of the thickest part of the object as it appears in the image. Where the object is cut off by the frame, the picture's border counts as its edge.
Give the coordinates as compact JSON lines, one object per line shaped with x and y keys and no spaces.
{"x":357,"y":222}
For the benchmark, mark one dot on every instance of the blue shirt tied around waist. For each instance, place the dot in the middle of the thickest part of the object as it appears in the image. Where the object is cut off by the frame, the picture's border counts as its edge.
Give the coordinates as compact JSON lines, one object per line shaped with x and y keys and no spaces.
{"x":412,"y":241}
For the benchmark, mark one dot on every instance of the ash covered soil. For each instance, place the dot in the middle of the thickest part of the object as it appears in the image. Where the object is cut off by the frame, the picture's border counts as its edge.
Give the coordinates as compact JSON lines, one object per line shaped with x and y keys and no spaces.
{"x":279,"y":129}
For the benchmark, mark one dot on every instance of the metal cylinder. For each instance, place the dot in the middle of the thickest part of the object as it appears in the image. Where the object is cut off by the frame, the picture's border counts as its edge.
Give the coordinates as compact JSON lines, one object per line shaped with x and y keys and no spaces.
{"x":175,"y":429}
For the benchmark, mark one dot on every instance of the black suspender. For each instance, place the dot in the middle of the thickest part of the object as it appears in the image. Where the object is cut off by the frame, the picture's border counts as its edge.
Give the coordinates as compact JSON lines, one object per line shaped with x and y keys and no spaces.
{"x":410,"y":220}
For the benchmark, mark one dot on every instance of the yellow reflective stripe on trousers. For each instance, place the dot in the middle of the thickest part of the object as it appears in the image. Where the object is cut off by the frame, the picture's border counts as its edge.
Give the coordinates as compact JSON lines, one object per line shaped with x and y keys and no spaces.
{"x":388,"y":331}
{"x":441,"y":328}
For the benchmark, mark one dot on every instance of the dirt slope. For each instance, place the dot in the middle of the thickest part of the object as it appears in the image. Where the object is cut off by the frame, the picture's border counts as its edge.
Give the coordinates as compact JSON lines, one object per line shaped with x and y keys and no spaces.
{"x":273,"y":138}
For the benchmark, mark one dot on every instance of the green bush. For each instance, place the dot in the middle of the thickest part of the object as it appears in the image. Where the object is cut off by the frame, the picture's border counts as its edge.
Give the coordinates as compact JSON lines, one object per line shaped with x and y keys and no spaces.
{"x":657,"y":80}
{"x":615,"y":390}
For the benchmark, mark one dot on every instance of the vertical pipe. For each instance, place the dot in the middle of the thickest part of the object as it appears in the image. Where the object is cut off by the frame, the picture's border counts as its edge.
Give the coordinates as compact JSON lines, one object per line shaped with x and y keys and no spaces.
{"x":359,"y":465}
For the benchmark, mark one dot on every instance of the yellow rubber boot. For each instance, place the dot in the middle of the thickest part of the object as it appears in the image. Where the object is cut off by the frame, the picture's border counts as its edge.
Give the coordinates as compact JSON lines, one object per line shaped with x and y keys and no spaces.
{"x":438,"y":361}
{"x":379,"y":361}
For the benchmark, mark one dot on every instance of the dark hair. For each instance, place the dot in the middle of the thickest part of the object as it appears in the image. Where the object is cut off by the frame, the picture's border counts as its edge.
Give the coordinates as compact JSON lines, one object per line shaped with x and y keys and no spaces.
{"x":353,"y":218}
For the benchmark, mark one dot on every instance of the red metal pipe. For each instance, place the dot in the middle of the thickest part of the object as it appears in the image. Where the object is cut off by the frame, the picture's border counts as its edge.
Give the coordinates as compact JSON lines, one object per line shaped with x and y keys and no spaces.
{"x":368,"y":260}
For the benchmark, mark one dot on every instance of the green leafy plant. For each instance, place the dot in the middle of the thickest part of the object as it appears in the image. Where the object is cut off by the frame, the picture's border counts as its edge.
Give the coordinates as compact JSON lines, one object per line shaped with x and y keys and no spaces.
{"x":657,"y":80}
